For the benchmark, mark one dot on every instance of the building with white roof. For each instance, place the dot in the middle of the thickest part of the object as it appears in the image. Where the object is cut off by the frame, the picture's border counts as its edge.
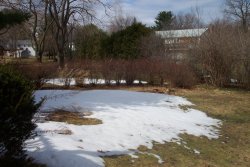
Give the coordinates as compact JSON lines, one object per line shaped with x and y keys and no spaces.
{"x":179,"y":42}
{"x":186,"y":33}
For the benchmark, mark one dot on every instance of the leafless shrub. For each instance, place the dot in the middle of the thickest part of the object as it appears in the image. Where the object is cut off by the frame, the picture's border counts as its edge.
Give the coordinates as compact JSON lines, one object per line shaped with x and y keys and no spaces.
{"x":37,"y":71}
{"x":182,"y":76}
{"x":130,"y":72}
{"x":212,"y":55}
{"x":154,"y":70}
{"x":222,"y":54}
{"x":93,"y":71}
{"x":107,"y":69}
{"x":119,"y":71}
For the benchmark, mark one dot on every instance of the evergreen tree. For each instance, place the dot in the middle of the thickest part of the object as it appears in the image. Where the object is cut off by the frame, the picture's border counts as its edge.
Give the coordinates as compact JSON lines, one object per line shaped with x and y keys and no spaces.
{"x":163,"y":20}
{"x":125,"y":43}
{"x":17,"y":107}
{"x":10,"y":17}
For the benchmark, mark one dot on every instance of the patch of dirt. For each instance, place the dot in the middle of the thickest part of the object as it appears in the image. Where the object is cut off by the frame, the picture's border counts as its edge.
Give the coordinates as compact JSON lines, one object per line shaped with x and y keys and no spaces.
{"x":70,"y":117}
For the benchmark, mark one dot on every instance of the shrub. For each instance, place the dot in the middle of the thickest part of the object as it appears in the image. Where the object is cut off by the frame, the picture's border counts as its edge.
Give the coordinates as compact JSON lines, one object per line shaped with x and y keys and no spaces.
{"x":17,"y":107}
{"x":182,"y":76}
{"x":130,"y":72}
{"x":37,"y":72}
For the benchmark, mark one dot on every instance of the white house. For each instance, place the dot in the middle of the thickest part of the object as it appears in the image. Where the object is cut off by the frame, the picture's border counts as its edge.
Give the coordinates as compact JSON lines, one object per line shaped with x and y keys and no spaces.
{"x":20,"y":48}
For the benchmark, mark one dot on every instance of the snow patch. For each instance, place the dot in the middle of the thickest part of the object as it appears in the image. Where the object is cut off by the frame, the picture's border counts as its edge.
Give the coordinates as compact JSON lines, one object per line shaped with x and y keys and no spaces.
{"x":196,"y":151}
{"x":86,"y":81}
{"x":130,"y":119}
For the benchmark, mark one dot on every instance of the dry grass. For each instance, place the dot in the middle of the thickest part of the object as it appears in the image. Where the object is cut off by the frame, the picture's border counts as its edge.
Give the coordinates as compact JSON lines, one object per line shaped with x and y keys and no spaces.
{"x":76,"y":118}
{"x":230,"y":150}
{"x":227,"y":104}
{"x":61,"y":131}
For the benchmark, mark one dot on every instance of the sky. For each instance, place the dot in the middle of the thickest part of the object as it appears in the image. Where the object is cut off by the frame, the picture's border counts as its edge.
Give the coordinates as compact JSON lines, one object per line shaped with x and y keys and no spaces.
{"x":146,"y":10}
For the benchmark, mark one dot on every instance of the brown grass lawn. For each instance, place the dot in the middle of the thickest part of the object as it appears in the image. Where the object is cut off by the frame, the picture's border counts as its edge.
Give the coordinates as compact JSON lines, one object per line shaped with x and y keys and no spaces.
{"x":232,"y":149}
{"x":71,"y":117}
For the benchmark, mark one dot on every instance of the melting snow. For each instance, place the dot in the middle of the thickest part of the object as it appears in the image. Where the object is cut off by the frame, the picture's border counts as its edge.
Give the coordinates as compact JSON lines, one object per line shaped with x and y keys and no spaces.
{"x":130,"y":119}
{"x":86,"y":81}
{"x":196,"y":151}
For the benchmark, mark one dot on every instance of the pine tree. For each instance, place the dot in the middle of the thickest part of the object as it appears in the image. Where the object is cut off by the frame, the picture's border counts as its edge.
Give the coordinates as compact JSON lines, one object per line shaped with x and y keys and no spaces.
{"x":10,"y":17}
{"x":163,"y":20}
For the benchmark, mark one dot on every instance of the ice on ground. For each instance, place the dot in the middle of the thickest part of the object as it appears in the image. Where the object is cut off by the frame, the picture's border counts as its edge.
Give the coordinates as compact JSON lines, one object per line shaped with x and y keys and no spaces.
{"x":130,"y":119}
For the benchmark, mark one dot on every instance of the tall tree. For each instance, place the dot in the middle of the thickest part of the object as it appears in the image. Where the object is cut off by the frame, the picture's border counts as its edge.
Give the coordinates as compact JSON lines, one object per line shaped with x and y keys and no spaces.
{"x":186,"y":21}
{"x":163,"y":20}
{"x":239,"y":9}
{"x":65,"y":11}
{"x":41,"y":24}
{"x":120,"y":20}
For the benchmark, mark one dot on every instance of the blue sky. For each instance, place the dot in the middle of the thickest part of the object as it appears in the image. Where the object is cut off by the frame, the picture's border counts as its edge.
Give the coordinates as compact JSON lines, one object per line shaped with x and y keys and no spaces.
{"x":146,"y":10}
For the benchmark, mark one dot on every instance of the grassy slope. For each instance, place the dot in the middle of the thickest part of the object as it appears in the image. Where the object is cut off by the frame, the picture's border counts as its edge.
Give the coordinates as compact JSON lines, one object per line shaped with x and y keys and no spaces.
{"x":230,"y":150}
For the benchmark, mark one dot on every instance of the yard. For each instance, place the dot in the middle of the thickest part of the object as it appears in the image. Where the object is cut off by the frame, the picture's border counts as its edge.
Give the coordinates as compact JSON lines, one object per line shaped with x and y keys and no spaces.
{"x":99,"y":83}
{"x":162,"y":131}
{"x":231,"y":149}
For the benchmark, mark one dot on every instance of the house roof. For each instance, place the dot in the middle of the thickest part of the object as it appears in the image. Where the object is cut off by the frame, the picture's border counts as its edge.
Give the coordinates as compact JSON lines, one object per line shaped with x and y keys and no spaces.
{"x":181,"y":33}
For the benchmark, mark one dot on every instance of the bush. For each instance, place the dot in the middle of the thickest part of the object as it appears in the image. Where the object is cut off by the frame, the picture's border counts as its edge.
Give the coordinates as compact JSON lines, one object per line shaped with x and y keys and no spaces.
{"x":17,"y":107}
{"x":37,"y":72}
{"x":182,"y":76}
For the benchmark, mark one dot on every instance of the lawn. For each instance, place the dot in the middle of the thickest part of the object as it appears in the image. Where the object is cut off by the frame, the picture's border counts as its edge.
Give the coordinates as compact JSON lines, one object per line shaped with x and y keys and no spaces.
{"x":80,"y":128}
{"x":231,"y":149}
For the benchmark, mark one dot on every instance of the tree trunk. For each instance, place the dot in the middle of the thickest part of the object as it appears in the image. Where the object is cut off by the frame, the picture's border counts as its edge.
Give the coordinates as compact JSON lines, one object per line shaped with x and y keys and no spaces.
{"x":61,"y":59}
{"x":244,"y":24}
{"x":40,"y":56}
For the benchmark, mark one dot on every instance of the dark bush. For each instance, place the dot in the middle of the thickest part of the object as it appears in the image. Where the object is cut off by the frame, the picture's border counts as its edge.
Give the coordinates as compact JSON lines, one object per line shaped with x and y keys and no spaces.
{"x":11,"y":162}
{"x":17,"y":107}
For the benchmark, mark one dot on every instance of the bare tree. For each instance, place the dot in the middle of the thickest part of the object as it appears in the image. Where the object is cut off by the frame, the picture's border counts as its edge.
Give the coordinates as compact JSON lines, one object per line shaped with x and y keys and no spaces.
{"x":120,"y":20}
{"x":62,"y":14}
{"x":222,"y":54}
{"x":239,"y":9}
{"x":186,"y":21}
{"x":243,"y":63}
{"x":65,"y":12}
{"x":39,"y":23}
